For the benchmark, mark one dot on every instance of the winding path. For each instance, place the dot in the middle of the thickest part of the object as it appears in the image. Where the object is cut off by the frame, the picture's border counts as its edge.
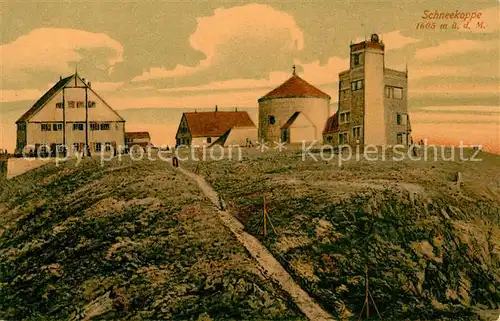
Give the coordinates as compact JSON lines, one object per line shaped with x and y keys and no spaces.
{"x":270,"y":266}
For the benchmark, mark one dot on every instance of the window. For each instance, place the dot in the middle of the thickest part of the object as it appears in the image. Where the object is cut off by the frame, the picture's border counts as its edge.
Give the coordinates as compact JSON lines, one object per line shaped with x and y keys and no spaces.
{"x":71,"y":104}
{"x":97,"y":147}
{"x":343,"y":138}
{"x":105,"y":126}
{"x":209,"y":140}
{"x":78,"y":126}
{"x":355,"y":59}
{"x":328,"y":139}
{"x":57,"y":127}
{"x":401,"y":119}
{"x":80,"y":104}
{"x":357,"y":85}
{"x":394,"y":92}
{"x":107,"y":146}
{"x":356,"y":132}
{"x":91,"y":104}
{"x":43,"y":149}
{"x":59,"y":105}
{"x":345,"y":117}
{"x":76,"y":147}
{"x":94,"y":126}
{"x":46,"y":127}
{"x":402,"y":139}
{"x":272,"y":120}
{"x":60,"y":148}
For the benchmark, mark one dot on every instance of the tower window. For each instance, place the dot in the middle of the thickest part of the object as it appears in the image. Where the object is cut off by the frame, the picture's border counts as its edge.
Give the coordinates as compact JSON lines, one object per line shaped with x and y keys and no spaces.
{"x":209,"y":140}
{"x":394,"y":92}
{"x":357,"y":85}
{"x":272,"y":120}
{"x":356,"y":131}
{"x":356,"y":59}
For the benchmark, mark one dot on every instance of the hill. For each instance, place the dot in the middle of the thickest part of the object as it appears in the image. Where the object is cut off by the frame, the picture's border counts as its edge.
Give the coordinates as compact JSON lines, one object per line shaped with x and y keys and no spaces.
{"x":127,"y":241}
{"x":431,"y":246}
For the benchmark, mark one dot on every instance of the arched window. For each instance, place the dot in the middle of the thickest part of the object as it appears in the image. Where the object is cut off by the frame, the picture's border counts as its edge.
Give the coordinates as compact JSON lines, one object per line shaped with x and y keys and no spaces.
{"x":272,"y":120}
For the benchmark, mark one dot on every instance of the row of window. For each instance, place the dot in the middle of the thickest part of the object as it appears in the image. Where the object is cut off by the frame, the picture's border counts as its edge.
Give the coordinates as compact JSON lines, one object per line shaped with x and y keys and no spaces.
{"x":345,"y":117}
{"x":390,"y":92}
{"x":183,"y":141}
{"x":77,"y":104}
{"x":402,"y":138}
{"x":77,"y":147}
{"x":76,"y":127}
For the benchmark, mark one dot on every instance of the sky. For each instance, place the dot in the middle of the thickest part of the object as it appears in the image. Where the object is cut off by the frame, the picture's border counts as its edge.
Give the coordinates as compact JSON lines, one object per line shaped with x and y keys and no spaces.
{"x":156,"y":59}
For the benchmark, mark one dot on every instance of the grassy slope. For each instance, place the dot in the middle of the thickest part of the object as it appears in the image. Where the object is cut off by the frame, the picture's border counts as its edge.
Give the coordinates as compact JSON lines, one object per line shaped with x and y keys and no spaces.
{"x":128,"y":241}
{"x":432,"y":248}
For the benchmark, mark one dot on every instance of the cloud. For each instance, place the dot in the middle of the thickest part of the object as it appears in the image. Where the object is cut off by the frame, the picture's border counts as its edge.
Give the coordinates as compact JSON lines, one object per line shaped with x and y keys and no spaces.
{"x":394,"y":40}
{"x":53,"y":49}
{"x":275,"y":78}
{"x":318,"y":74}
{"x":106,"y":86}
{"x":9,"y":95}
{"x":457,"y":89}
{"x":253,"y":23}
{"x":453,"y":47}
{"x":488,"y":23}
{"x":224,"y":99}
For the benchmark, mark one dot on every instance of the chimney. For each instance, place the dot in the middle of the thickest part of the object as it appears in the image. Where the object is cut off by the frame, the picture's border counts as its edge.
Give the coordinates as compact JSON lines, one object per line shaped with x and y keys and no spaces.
{"x":83,"y":79}
{"x":216,"y":108}
{"x":236,"y":109}
{"x":60,"y":77}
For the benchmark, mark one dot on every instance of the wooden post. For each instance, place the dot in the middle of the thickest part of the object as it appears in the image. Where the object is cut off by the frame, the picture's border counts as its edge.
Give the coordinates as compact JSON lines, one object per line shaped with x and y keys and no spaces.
{"x":265,"y":213}
{"x":366,"y":293}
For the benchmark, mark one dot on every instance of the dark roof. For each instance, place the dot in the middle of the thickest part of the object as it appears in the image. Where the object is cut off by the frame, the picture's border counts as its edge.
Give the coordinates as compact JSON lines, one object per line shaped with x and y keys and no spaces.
{"x":137,"y":135}
{"x":44,"y":99}
{"x":295,"y":87}
{"x":332,"y":124}
{"x":290,"y":121}
{"x":211,"y":124}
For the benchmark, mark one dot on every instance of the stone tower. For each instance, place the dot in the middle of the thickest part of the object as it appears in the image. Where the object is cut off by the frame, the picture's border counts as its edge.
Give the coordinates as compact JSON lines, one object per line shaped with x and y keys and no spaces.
{"x":373,"y":101}
{"x":295,"y":111}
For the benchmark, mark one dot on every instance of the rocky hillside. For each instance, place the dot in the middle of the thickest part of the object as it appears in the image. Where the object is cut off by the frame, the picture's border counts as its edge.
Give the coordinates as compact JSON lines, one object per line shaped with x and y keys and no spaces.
{"x":430,"y":244}
{"x":128,"y":241}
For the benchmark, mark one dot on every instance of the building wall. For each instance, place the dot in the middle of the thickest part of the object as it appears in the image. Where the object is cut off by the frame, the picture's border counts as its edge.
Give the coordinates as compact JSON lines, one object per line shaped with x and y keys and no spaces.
{"x":299,"y":134}
{"x":200,"y":141}
{"x":183,"y":135}
{"x":115,"y":135}
{"x":394,"y":106}
{"x":374,"y":122}
{"x":239,"y":135}
{"x":315,"y":109}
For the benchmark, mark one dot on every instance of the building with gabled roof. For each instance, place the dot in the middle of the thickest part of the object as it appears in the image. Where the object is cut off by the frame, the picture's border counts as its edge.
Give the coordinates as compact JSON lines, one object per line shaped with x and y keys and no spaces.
{"x":293,"y":112}
{"x":70,"y":114}
{"x":225,"y":127}
{"x":141,"y":139}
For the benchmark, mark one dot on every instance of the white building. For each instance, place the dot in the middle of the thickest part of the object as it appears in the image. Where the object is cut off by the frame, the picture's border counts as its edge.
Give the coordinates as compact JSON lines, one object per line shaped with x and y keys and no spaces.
{"x":70,"y":114}
{"x":294,"y":112}
{"x":373,"y":101}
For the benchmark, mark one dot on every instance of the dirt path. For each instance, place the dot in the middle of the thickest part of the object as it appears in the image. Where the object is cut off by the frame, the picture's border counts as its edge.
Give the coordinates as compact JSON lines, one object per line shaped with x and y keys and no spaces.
{"x":268,"y":263}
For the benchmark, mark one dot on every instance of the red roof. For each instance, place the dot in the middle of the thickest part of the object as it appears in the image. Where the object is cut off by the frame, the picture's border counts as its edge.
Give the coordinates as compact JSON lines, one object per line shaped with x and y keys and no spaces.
{"x":295,"y":87}
{"x":137,"y":135}
{"x":216,"y":123}
{"x":332,"y":124}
